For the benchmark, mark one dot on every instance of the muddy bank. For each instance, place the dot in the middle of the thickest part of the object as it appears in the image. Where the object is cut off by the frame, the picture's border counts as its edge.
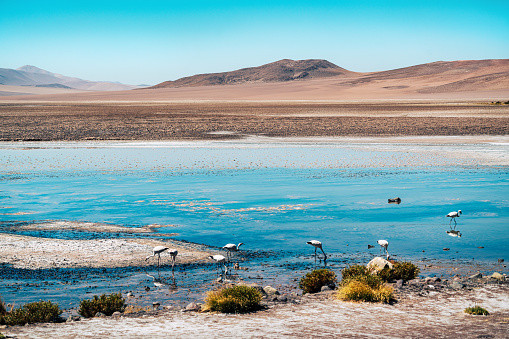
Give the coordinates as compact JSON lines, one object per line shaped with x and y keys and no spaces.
{"x":425,"y":312}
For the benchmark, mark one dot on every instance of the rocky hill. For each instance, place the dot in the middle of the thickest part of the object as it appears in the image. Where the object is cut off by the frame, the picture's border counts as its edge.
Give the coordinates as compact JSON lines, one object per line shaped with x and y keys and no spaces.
{"x":280,"y":71}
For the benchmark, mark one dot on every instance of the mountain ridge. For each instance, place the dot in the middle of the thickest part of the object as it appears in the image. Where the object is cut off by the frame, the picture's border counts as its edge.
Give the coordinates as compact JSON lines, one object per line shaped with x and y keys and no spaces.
{"x":29,"y":75}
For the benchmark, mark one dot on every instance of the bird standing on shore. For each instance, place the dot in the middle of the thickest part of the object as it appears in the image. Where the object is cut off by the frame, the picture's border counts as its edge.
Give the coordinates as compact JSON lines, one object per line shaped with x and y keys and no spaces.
{"x":317,"y":244}
{"x":231,"y":248}
{"x":157,"y":251}
{"x":453,"y":216}
{"x":220,"y":259}
{"x":384,"y":244}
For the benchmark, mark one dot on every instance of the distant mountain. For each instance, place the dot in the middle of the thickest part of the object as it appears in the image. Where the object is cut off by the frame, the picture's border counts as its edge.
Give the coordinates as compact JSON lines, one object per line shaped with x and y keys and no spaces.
{"x":280,"y":71}
{"x":33,"y":76}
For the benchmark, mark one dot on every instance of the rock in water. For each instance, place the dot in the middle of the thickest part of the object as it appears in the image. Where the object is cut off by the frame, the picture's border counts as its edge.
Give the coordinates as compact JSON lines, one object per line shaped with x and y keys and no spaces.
{"x":377,"y":264}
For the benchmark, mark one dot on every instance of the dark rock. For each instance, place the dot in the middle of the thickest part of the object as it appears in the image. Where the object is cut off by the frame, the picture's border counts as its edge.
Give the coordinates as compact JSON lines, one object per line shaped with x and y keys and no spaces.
{"x":156,"y":305}
{"x":283,"y":298}
{"x":447,"y":249}
{"x":500,"y":260}
{"x":100,"y":315}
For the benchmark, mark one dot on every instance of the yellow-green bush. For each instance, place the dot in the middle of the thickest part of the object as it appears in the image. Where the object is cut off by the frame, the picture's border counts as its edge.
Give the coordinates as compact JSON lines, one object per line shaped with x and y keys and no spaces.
{"x":314,"y":281}
{"x":476,"y":310}
{"x":105,"y":304}
{"x":236,"y":299}
{"x":36,"y":312}
{"x":357,"y":290}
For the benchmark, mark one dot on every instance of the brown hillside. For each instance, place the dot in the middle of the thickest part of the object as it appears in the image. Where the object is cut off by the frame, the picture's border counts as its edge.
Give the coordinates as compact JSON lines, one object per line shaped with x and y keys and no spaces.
{"x":279,"y":71}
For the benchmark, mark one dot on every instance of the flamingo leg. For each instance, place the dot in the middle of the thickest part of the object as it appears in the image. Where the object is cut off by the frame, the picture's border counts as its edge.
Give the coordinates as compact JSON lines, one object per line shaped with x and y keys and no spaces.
{"x":324,"y":255}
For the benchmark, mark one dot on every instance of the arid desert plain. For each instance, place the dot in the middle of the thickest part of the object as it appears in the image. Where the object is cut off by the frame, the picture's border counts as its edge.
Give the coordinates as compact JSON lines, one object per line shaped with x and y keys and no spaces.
{"x":93,"y":180}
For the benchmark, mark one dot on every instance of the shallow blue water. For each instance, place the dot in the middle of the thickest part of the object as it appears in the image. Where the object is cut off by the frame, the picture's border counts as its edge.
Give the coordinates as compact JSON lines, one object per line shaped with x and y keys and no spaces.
{"x":271,"y":197}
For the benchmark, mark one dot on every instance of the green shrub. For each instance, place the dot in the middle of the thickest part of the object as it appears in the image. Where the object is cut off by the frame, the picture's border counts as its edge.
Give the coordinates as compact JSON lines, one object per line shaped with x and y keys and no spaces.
{"x":105,"y":304}
{"x":507,"y":102}
{"x":477,"y":310}
{"x":401,"y":270}
{"x":314,"y":281}
{"x":354,"y":271}
{"x":236,"y":299}
{"x":36,"y":312}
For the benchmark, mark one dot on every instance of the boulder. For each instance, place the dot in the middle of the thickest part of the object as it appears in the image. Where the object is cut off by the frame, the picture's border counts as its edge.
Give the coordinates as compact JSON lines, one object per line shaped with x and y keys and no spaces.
{"x":326,"y":288}
{"x":377,"y":264}
{"x":116,"y":314}
{"x":283,"y":298}
{"x":497,"y":276}
{"x":478,"y":275}
{"x":192,"y":307}
{"x":399,"y":283}
{"x":269,"y":290}
{"x":100,"y":315}
{"x":73,"y":318}
{"x":457,"y":285}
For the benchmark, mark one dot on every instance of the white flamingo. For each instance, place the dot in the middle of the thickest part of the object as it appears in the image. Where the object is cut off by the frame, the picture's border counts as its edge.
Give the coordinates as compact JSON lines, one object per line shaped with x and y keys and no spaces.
{"x":173,"y":253}
{"x":453,"y":216}
{"x":384,"y":244}
{"x":317,"y":244}
{"x":220,"y":259}
{"x":231,"y":248}
{"x":157,"y":251}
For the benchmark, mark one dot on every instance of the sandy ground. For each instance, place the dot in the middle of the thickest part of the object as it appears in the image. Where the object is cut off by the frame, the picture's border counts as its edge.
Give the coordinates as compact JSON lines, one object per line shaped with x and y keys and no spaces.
{"x":39,"y":253}
{"x":428,"y":313}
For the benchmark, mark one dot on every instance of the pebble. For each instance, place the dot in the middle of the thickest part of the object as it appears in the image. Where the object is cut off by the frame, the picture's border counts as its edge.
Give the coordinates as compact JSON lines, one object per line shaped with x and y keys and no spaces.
{"x":457,"y":285}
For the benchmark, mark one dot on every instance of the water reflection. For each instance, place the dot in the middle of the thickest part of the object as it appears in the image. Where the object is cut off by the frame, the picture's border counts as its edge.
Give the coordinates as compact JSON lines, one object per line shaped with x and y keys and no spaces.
{"x":453,"y":232}
{"x":164,"y":282}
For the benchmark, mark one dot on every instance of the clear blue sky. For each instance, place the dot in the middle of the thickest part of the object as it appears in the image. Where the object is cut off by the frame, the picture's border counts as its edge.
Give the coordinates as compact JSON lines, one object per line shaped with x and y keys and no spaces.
{"x":149,"y":41}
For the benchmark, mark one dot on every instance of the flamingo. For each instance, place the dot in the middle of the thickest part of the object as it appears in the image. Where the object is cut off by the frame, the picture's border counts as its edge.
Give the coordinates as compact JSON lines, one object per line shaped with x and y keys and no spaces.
{"x":384,"y":244}
{"x":157,"y":251}
{"x":231,"y":248}
{"x":317,"y":244}
{"x":173,"y":253}
{"x":220,"y":259}
{"x":453,"y":216}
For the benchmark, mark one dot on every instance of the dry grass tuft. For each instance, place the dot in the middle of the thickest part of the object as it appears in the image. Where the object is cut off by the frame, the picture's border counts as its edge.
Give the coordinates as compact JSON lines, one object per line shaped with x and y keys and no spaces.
{"x":356,"y":290}
{"x":236,"y":299}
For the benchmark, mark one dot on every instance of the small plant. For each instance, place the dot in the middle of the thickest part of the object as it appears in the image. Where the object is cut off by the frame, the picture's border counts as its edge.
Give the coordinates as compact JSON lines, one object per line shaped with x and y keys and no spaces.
{"x":36,"y":312}
{"x":236,"y":299}
{"x":354,"y":271}
{"x":476,"y":310}
{"x":400,"y":270}
{"x":105,"y":304}
{"x":357,"y":290}
{"x":314,"y":281}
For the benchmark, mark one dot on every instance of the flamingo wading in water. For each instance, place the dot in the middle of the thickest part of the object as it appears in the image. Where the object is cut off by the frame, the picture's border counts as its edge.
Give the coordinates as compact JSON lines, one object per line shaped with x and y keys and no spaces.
{"x":157,"y":251}
{"x":231,"y":248}
{"x":220,"y":259}
{"x":453,"y":216}
{"x":317,"y":244}
{"x":384,"y":244}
